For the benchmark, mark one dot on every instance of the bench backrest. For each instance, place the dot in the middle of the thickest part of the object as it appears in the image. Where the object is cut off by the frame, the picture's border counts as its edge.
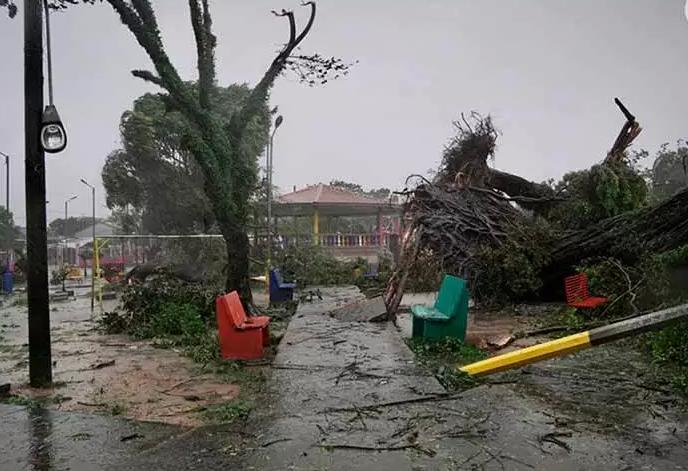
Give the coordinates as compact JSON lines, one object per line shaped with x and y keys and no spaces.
{"x":276,"y":277}
{"x":576,"y":287}
{"x":230,"y":305}
{"x":452,"y":295}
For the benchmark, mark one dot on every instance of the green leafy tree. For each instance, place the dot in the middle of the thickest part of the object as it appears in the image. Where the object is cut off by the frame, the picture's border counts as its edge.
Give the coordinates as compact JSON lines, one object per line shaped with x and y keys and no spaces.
{"x":669,"y":172}
{"x":154,"y":173}
{"x":218,"y":146}
{"x":379,"y":193}
{"x":603,"y":191}
{"x":9,"y":233}
{"x":60,"y":228}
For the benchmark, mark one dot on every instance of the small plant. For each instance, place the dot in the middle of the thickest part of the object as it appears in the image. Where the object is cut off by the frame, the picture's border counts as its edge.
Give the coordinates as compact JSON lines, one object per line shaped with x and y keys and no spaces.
{"x":446,"y":350}
{"x":444,"y":356}
{"x":117,"y":409}
{"x":227,"y":413}
{"x":178,"y":320}
{"x":58,"y":275}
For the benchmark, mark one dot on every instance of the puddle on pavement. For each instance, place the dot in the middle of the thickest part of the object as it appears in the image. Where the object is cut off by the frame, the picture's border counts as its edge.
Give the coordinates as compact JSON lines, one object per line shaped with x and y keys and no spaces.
{"x":109,"y":374}
{"x":38,"y":439}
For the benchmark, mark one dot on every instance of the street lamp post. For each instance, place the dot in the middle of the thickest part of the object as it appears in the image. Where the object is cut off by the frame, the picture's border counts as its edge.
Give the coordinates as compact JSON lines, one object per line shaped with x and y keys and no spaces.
{"x":64,"y":232}
{"x":7,"y":181}
{"x":40,"y":358}
{"x":278,"y":123}
{"x":7,"y":198}
{"x":93,"y":259}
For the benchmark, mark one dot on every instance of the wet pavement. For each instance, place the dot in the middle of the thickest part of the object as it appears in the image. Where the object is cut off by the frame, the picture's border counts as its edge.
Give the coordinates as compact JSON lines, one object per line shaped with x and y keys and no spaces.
{"x":109,"y":374}
{"x":39,"y":439}
{"x":348,"y":396}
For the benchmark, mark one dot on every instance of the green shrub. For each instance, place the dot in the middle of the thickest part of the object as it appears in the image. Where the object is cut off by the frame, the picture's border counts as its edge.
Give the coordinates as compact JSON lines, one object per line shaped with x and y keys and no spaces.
{"x":511,"y":271}
{"x":161,"y":305}
{"x":448,"y":350}
{"x":178,"y":320}
{"x":649,"y":281}
{"x":58,"y":275}
{"x":670,"y":344}
{"x":600,"y":192}
{"x":311,"y":265}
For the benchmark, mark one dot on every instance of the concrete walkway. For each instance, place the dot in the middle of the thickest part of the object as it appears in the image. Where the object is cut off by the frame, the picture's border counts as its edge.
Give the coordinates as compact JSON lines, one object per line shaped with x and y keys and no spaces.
{"x":340,"y":390}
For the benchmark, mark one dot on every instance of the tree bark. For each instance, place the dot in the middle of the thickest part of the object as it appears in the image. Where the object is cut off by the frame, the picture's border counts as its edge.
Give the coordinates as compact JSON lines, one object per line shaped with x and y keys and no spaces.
{"x":626,"y":237}
{"x":513,"y":185}
{"x":238,"y":273}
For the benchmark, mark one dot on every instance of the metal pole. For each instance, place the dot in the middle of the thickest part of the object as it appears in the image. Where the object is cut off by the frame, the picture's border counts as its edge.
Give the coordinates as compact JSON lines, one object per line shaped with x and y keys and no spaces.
{"x":272,"y":136}
{"x":278,"y":123}
{"x":7,"y":181}
{"x":93,"y":275}
{"x":40,"y":361}
{"x":7,"y":198}
{"x":64,"y":233}
{"x":64,"y":244}
{"x":268,"y":195}
{"x":93,"y":258}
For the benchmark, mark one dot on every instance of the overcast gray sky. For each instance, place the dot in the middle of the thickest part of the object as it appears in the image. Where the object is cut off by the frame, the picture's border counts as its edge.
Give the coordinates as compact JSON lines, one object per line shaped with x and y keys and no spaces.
{"x":547,"y":70}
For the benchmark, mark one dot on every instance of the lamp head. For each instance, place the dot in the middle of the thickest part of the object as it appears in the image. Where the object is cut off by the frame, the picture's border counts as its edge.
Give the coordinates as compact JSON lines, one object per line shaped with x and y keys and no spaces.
{"x":53,"y":134}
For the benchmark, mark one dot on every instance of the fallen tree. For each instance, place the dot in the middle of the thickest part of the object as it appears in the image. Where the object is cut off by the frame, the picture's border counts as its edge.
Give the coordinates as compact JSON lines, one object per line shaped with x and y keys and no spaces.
{"x":506,"y":234}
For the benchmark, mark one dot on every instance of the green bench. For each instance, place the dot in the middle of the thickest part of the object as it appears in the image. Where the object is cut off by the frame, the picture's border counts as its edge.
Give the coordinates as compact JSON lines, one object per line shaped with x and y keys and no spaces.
{"x":448,"y":317}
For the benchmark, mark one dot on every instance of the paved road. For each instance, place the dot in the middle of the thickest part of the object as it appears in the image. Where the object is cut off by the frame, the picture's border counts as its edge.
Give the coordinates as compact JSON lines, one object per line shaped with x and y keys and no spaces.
{"x":337,"y":403}
{"x":336,"y":384}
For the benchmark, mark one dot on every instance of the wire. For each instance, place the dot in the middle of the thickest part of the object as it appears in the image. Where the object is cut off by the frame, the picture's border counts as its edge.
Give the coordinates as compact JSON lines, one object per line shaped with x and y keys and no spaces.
{"x":50,"y":56}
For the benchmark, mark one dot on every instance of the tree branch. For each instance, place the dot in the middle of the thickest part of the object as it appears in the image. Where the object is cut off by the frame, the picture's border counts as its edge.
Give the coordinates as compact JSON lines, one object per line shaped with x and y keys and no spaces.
{"x":292,"y":23}
{"x":148,"y":76}
{"x":140,"y":20}
{"x":260,"y":92}
{"x":205,"y":44}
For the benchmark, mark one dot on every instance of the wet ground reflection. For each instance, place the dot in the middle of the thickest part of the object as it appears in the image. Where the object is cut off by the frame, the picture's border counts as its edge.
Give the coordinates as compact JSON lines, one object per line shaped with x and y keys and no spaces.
{"x":40,"y":436}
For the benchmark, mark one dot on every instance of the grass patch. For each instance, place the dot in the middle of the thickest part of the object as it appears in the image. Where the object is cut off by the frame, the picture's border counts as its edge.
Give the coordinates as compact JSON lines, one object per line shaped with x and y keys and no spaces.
{"x":228,"y":412}
{"x":116,"y":409}
{"x":445,"y":351}
{"x":443,"y":356}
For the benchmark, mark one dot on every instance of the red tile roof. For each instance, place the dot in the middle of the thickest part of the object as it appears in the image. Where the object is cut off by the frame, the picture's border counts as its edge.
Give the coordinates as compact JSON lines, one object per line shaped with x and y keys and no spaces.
{"x":325,"y":194}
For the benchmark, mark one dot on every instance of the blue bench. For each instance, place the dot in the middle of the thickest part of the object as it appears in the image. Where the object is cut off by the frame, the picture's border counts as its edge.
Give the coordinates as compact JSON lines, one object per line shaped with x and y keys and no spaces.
{"x":279,"y":290}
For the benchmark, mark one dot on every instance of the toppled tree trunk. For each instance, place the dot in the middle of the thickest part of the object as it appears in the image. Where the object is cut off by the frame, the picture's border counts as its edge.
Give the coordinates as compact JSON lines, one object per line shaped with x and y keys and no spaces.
{"x":626,"y":237}
{"x":513,"y":185}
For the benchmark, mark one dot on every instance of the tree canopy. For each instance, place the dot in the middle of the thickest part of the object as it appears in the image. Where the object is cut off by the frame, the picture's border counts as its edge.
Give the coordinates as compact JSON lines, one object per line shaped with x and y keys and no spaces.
{"x":669,"y":172}
{"x":154,"y":176}
{"x":9,"y":233}
{"x":61,"y":227}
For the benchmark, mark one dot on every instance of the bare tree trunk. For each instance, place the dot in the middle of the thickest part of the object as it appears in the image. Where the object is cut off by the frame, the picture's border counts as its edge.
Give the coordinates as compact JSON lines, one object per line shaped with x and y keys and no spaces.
{"x":238,"y":275}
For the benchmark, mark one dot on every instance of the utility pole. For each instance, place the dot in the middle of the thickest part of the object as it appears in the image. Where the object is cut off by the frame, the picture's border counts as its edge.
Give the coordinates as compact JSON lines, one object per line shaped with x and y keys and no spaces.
{"x":93,"y":259}
{"x":40,"y":361}
{"x":7,"y":199}
{"x":65,"y":234}
{"x":7,"y":181}
{"x":278,"y":123}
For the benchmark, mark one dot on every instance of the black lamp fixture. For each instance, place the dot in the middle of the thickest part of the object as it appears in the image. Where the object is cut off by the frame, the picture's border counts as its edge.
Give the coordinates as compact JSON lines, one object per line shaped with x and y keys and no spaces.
{"x":53,"y":134}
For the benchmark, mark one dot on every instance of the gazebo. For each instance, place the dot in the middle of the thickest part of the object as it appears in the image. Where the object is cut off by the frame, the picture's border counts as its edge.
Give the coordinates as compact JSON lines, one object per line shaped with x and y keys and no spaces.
{"x":318,"y":201}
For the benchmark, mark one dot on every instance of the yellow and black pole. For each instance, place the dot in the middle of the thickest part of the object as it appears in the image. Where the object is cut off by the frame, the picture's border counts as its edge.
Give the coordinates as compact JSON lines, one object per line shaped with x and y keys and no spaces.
{"x":576,"y":342}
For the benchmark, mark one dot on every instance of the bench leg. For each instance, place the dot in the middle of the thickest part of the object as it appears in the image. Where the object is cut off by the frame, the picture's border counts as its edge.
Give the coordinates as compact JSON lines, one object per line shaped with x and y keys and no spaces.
{"x":242,"y":344}
{"x":418,"y":328}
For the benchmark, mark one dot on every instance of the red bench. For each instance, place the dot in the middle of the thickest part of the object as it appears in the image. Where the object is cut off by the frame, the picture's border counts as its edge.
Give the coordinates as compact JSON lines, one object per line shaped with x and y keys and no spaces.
{"x":577,"y":294}
{"x":241,"y":337}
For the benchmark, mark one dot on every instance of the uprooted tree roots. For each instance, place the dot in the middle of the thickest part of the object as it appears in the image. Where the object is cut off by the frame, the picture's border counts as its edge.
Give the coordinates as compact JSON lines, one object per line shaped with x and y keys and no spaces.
{"x":504,"y":233}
